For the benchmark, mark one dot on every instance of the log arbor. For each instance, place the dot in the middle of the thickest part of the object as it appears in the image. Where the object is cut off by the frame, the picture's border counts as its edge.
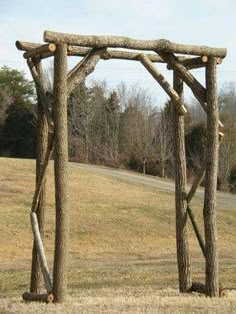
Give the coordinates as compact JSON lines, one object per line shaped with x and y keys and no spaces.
{"x":52,"y":128}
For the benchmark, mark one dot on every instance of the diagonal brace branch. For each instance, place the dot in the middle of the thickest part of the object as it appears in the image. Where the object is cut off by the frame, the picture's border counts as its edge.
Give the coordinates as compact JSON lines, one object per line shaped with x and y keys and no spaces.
{"x":41,"y":91}
{"x":198,"y":90}
{"x":196,"y":230}
{"x":147,"y":63}
{"x":83,"y":69}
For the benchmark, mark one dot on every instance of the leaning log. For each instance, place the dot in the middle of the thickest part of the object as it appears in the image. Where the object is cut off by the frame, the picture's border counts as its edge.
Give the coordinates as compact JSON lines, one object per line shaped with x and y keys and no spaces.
{"x":38,"y":79}
{"x":43,"y":297}
{"x":129,"y":43}
{"x":196,"y":230}
{"x":42,"y":173}
{"x":40,"y":251}
{"x":185,"y":75}
{"x":147,"y":63}
{"x":197,"y":181}
{"x":42,"y":142}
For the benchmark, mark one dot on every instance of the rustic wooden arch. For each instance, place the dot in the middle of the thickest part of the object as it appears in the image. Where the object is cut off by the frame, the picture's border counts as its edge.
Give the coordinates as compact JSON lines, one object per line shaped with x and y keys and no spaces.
{"x":52,"y":133}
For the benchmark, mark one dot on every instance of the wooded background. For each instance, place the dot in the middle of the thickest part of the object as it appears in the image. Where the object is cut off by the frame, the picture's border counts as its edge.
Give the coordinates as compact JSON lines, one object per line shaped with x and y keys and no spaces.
{"x":122,"y":127}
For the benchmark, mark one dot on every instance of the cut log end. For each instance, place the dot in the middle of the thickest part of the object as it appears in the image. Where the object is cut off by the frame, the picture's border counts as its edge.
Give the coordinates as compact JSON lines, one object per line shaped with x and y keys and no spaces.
{"x":52,"y":47}
{"x":38,"y":297}
{"x":219,"y":60}
{"x":18,"y":45}
{"x":223,"y":293}
{"x":204,"y":59}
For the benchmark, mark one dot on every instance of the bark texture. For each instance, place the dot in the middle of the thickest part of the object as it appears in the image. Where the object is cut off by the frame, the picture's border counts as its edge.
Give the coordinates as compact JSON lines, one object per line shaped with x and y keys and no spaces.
{"x":41,"y":254}
{"x":44,"y":297}
{"x":188,"y":62}
{"x":41,"y":92}
{"x":83,"y":69}
{"x":60,"y":270}
{"x":42,"y":141}
{"x":39,"y":51}
{"x":196,"y":230}
{"x":197,"y":181}
{"x":185,"y":75}
{"x":183,"y":255}
{"x":129,"y":43}
{"x":147,"y":63}
{"x":209,"y":211}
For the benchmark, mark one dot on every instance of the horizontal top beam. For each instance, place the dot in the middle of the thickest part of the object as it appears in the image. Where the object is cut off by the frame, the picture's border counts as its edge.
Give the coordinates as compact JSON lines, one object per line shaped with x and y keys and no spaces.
{"x":31,"y":48}
{"x":129,"y":43}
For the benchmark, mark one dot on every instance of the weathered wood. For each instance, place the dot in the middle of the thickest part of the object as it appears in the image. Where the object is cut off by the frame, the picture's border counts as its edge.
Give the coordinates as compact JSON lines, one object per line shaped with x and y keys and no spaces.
{"x":196,"y":230}
{"x":42,"y":174}
{"x":83,"y":69}
{"x":42,"y":139}
{"x":198,"y":287}
{"x":198,"y":90}
{"x":183,"y":254}
{"x":199,"y":177}
{"x":209,"y":210}
{"x":39,"y":82}
{"x":43,"y":297}
{"x":189,"y":62}
{"x":201,"y":288}
{"x":129,"y":43}
{"x":192,"y":63}
{"x":185,"y":75}
{"x":147,"y":63}
{"x":26,"y":45}
{"x":60,"y":269}
{"x":40,"y":51}
{"x":40,"y":251}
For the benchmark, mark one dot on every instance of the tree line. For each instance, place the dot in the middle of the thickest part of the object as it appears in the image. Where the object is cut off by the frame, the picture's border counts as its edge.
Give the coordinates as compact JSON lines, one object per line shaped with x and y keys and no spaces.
{"x":121,"y":128}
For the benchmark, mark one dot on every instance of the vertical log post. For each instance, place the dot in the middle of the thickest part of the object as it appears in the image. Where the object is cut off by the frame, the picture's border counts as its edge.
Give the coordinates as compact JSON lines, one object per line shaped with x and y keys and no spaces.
{"x":42,"y":136}
{"x":209,"y":213}
{"x":60,"y":270}
{"x":183,"y":255}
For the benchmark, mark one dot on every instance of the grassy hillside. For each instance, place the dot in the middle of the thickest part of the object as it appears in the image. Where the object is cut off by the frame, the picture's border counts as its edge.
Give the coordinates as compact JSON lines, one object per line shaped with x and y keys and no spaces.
{"x":122,"y":233}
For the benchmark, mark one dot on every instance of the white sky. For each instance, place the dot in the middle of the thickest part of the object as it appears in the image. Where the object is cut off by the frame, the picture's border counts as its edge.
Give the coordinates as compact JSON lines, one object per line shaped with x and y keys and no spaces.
{"x":209,"y":22}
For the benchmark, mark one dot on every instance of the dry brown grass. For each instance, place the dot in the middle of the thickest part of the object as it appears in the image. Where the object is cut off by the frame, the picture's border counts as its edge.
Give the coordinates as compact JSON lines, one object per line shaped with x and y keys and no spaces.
{"x":122,"y":237}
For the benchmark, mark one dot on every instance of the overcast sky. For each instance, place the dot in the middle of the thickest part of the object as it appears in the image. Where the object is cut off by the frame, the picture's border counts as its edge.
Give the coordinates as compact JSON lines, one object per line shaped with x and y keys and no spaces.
{"x":208,"y":22}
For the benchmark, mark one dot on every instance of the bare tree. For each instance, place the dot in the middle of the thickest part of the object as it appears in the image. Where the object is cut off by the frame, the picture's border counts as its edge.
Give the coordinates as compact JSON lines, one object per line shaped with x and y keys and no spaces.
{"x":164,"y":140}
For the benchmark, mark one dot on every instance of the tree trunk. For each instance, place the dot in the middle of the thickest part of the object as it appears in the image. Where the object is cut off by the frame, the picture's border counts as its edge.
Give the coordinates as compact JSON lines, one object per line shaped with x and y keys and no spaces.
{"x":60,"y":270}
{"x":42,"y":136}
{"x":163,"y":166}
{"x":209,"y":213}
{"x":183,"y":255}
{"x":144,"y":166}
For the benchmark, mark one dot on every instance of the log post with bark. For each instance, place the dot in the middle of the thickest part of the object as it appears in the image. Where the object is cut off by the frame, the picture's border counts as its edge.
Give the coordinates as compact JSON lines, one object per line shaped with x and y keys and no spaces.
{"x":60,"y":269}
{"x":182,"y":242}
{"x":209,"y":210}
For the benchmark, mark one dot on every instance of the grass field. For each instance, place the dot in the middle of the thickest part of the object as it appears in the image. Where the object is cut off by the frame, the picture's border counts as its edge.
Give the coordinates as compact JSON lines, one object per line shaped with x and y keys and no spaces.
{"x":122,"y":247}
